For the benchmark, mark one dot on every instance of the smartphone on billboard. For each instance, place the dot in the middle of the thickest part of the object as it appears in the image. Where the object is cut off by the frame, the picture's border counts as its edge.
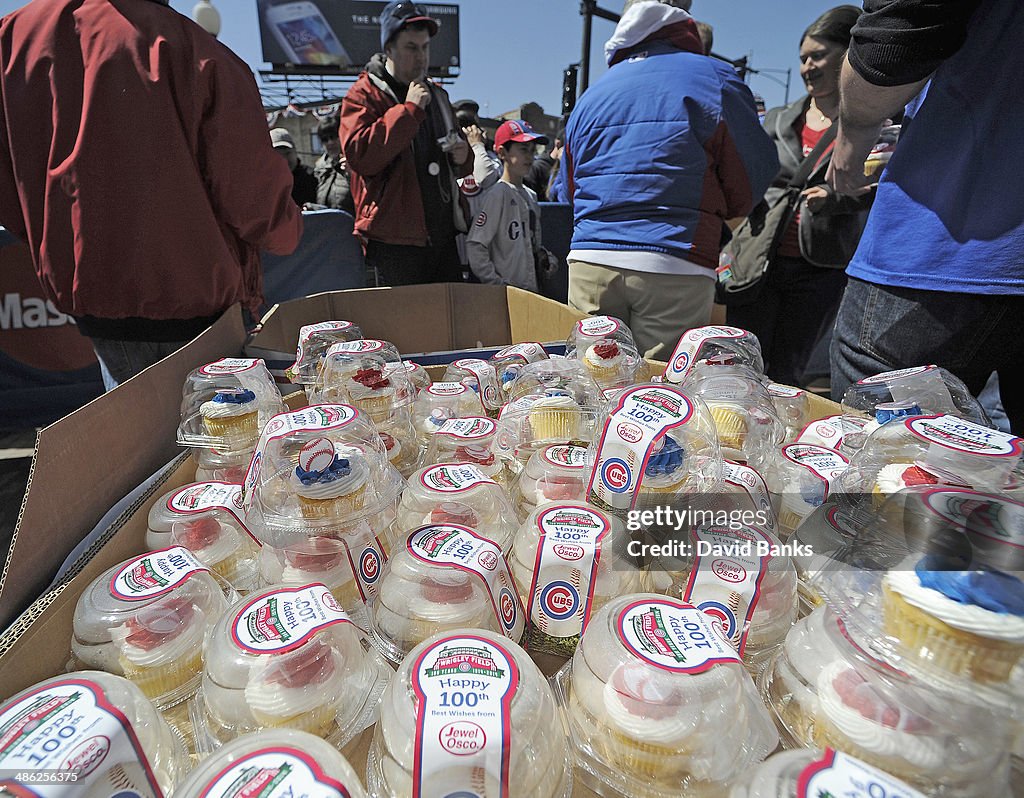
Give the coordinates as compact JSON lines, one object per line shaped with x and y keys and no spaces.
{"x":304,"y":34}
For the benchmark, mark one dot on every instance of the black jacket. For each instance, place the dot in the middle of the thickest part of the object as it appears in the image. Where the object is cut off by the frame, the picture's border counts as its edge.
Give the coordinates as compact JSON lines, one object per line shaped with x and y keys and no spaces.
{"x":830,"y":236}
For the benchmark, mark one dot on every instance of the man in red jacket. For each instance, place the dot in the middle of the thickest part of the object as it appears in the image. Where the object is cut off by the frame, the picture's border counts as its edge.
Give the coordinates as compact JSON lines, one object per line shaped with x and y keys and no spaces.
{"x":405,"y":150}
{"x":136,"y":163}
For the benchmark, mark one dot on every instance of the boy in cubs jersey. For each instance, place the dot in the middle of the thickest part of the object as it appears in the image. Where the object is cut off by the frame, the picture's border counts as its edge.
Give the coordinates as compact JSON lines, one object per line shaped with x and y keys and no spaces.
{"x":505,"y":236}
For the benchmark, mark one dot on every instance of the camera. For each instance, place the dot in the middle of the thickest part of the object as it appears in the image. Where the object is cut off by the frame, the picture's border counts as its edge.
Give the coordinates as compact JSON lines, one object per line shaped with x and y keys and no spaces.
{"x":447,"y":143}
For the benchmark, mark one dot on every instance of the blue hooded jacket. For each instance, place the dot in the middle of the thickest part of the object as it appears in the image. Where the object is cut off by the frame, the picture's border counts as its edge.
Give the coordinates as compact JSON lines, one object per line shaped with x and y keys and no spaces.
{"x":665,"y":147}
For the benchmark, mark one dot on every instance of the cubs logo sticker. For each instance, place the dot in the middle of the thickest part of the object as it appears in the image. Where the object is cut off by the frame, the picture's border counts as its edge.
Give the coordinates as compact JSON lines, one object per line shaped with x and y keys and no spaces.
{"x":723,"y":618}
{"x":369,"y":565}
{"x":508,"y":604}
{"x":481,"y":219}
{"x":559,"y":600}
{"x":615,"y":475}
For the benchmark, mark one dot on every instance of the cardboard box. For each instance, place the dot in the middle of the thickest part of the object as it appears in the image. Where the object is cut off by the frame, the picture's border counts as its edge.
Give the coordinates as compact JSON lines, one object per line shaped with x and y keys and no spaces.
{"x":88,"y":461}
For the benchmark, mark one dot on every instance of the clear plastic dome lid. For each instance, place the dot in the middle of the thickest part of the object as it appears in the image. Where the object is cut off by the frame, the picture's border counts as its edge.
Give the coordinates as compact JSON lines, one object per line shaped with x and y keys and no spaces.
{"x":367,"y":374}
{"x":274,"y":763}
{"x":816,"y":773}
{"x":558,"y":376}
{"x":917,"y":728}
{"x":318,"y":468}
{"x":314,"y":341}
{"x":792,"y":405}
{"x":216,"y":500}
{"x":440,"y":402}
{"x":349,"y":563}
{"x":748,"y":427}
{"x":216,"y":466}
{"x":418,"y":376}
{"x":146,"y":619}
{"x":658,"y":703}
{"x":604,"y":346}
{"x":100,"y":727}
{"x":802,"y":476}
{"x":832,"y":432}
{"x":738,"y":575}
{"x":595,"y":329}
{"x":445,"y":577}
{"x":702,"y":343}
{"x":225,"y":404}
{"x":459,"y":433}
{"x":401,"y":442}
{"x":743,"y":488}
{"x":535,"y":421}
{"x":468,"y":713}
{"x":931,"y":450}
{"x":657,"y":442}
{"x":554,"y":473}
{"x":480,"y":376}
{"x":567,"y":562}
{"x":457,"y":493}
{"x":509,"y":362}
{"x":915,"y":391}
{"x":288,"y":657}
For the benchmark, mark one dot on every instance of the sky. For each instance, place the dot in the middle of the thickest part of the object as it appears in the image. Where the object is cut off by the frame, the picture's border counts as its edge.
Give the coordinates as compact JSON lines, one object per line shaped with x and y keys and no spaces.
{"x":515,"y":53}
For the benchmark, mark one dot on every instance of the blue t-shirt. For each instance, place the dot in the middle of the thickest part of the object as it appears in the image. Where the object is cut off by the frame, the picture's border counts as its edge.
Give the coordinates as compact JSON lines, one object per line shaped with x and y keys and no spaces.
{"x":949,"y":215}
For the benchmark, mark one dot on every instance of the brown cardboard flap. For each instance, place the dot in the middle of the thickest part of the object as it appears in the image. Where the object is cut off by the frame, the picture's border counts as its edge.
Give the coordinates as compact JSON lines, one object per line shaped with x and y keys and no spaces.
{"x":38,"y":645}
{"x":415,"y":318}
{"x":537,"y":318}
{"x":91,"y":459}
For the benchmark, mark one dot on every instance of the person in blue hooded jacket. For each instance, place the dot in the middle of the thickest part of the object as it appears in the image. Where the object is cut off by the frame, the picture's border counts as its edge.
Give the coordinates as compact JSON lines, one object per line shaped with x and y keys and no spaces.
{"x":659,"y":153}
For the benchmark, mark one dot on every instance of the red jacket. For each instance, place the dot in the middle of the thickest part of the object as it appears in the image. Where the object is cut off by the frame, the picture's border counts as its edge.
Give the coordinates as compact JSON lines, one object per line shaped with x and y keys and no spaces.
{"x":136,"y":162}
{"x":376,"y":135}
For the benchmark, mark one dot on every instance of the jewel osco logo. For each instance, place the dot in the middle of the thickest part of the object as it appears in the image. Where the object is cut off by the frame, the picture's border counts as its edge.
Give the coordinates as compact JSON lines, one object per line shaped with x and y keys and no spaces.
{"x":615,"y":475}
{"x":559,"y":600}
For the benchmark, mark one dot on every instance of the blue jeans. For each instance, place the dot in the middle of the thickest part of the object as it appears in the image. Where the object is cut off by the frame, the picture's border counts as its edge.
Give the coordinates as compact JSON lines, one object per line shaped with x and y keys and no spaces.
{"x":122,"y":360}
{"x":881,"y":328}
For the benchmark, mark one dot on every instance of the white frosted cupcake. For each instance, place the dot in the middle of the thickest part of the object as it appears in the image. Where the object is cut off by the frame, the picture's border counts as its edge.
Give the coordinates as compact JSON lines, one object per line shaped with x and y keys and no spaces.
{"x":335,"y":491}
{"x":231,"y":413}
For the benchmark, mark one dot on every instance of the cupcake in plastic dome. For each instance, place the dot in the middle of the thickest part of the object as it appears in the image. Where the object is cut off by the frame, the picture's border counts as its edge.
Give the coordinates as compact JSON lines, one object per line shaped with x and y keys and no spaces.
{"x":509,"y":361}
{"x":605,"y":347}
{"x":216,"y":466}
{"x":287,"y":657}
{"x":446,"y":577}
{"x":468,"y":713}
{"x":401,"y":443}
{"x":366,"y":374}
{"x":118,"y":745}
{"x":272,"y":764}
{"x":314,"y":341}
{"x":469,"y":440}
{"x":456,"y":493}
{"x":928,"y":389}
{"x":843,"y":433}
{"x":940,"y":741}
{"x":702,"y":343}
{"x":206,"y":518}
{"x":481,"y":377}
{"x":322,"y":467}
{"x":801,"y":477}
{"x":549,"y":416}
{"x":418,"y":376}
{"x":745,"y":490}
{"x":146,"y":618}
{"x":657,"y":443}
{"x":930,"y":450}
{"x":554,"y":473}
{"x":751,"y":597}
{"x":567,"y":562}
{"x":440,"y":402}
{"x":226,"y":404}
{"x":748,"y":427}
{"x":811,"y":773}
{"x":659,"y":704}
{"x":789,"y":685}
{"x":595,"y":330}
{"x":348,"y":564}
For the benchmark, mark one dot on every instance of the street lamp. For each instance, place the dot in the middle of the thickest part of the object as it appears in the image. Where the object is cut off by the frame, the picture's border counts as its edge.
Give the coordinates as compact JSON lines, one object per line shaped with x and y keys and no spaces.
{"x":207,"y":17}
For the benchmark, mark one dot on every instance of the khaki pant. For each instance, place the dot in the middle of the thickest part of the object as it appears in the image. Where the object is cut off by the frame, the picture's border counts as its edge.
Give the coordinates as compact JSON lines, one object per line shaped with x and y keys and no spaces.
{"x":658,"y":308}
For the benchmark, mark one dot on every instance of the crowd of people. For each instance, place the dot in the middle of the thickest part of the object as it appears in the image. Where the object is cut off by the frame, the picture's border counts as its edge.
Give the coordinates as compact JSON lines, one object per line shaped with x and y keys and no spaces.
{"x":674,"y":174}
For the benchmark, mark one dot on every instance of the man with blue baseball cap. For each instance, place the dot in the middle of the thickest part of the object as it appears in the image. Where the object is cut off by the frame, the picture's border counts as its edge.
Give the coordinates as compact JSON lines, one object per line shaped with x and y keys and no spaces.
{"x":405,"y":151}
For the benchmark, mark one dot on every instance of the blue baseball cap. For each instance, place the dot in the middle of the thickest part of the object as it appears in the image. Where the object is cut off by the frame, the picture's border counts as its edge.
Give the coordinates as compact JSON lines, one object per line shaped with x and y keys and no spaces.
{"x":398,"y":14}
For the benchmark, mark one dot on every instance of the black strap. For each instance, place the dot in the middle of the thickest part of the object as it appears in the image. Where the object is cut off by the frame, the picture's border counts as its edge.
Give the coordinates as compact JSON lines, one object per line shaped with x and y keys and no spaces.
{"x":808,"y":163}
